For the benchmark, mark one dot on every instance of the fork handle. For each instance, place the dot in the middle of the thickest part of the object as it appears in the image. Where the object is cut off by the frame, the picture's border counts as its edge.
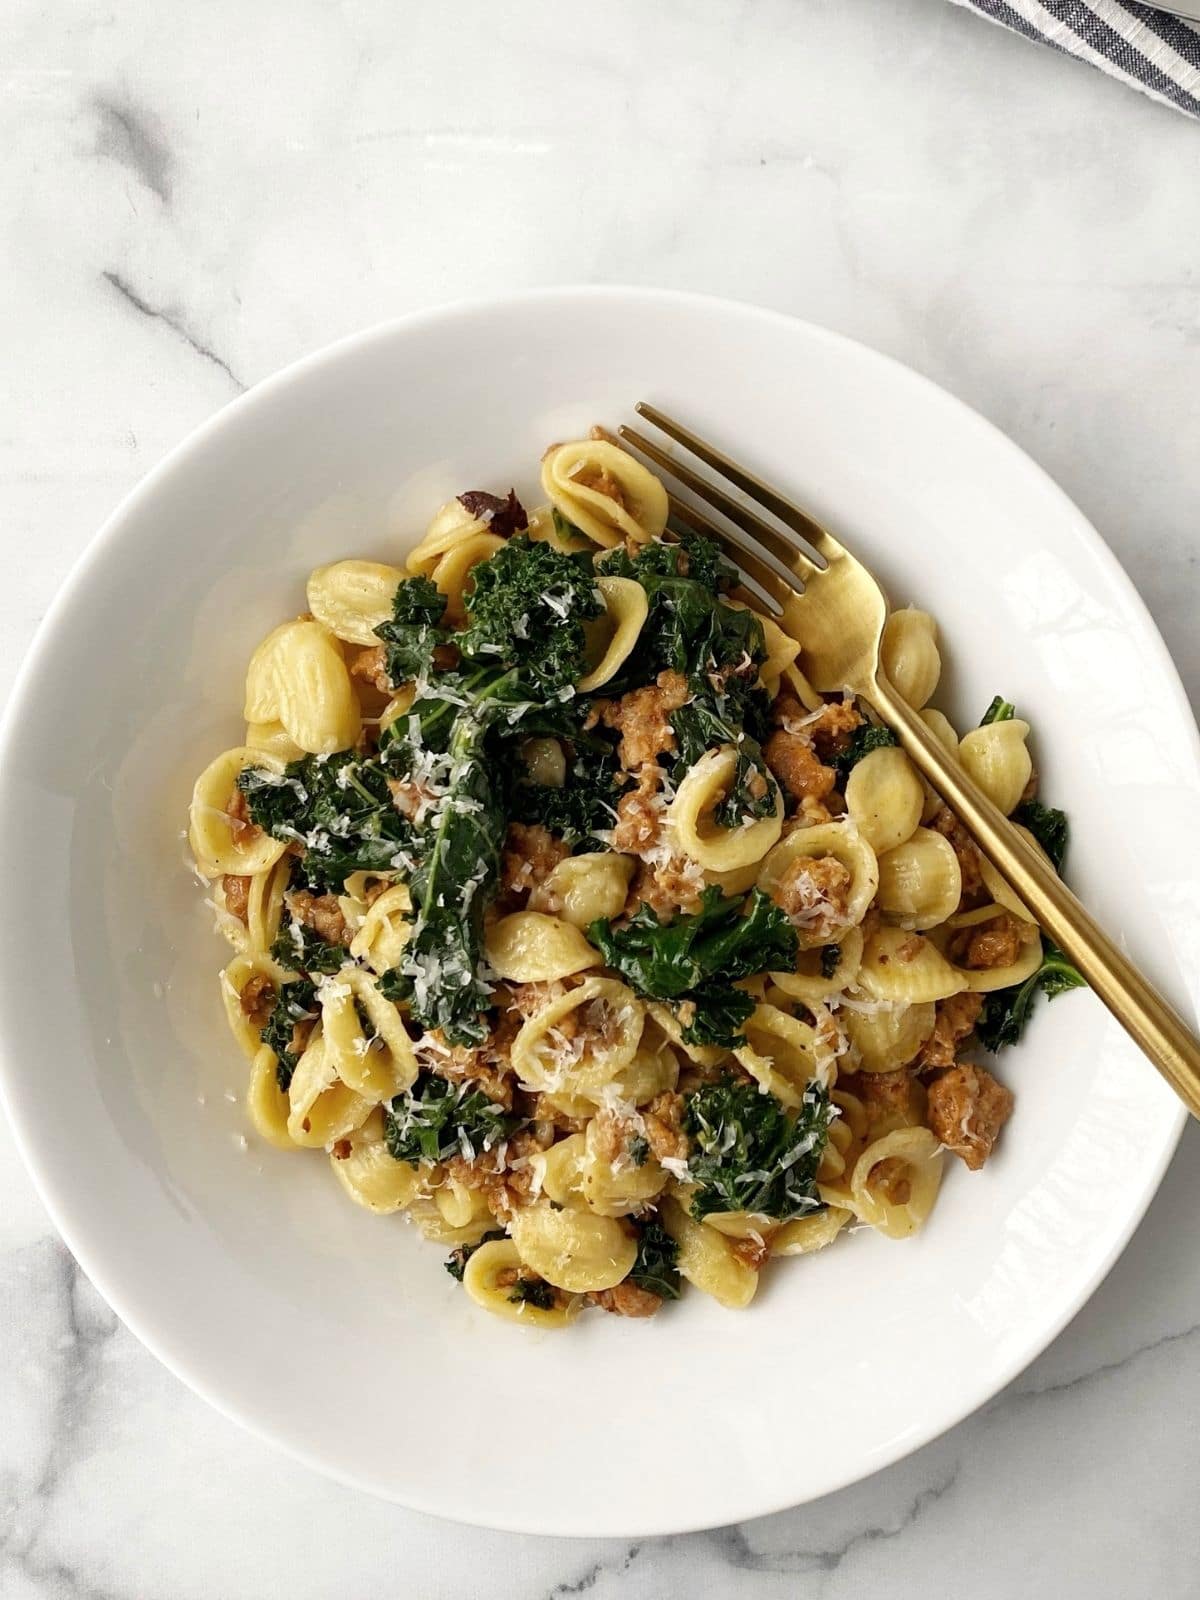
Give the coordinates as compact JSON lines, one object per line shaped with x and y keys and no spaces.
{"x":1158,"y":1029}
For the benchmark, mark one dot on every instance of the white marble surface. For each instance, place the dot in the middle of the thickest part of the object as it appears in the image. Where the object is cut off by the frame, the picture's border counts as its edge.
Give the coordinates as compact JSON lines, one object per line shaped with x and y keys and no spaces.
{"x":193,"y":196}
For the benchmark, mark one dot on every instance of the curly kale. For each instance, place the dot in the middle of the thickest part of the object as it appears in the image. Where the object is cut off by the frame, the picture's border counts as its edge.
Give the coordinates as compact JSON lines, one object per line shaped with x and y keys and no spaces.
{"x":414,"y":632}
{"x":526,"y":611}
{"x":583,"y":804}
{"x":694,"y":961}
{"x":533,"y":1291}
{"x":866,"y":737}
{"x":749,"y":1154}
{"x":298,"y":949}
{"x":1006,"y":1011}
{"x":456,"y":1264}
{"x":294,"y":1003}
{"x":654,"y":1269}
{"x":338,"y":807}
{"x":1000,"y":710}
{"x":436,"y":1119}
{"x":1048,"y":826}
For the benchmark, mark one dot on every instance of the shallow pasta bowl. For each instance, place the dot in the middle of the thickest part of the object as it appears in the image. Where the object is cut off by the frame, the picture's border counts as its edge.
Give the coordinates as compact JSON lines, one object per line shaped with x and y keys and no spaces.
{"x":244,"y":1269}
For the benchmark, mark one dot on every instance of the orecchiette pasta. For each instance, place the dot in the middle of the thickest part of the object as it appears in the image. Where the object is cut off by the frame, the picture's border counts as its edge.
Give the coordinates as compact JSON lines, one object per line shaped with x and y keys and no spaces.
{"x":604,"y":492}
{"x":593,"y":939}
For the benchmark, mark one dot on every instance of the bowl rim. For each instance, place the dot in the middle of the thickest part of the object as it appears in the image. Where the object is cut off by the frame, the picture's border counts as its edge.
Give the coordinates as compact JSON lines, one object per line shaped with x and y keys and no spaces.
{"x":109,"y":535}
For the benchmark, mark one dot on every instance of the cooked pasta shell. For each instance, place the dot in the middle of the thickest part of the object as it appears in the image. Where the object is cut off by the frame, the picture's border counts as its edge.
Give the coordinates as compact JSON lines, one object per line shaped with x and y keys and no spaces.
{"x":316,"y":699}
{"x":914,"y":1164}
{"x":273,"y":739}
{"x":586,"y":887}
{"x":943,"y":730}
{"x":779,"y":1052}
{"x":352,"y":598}
{"x":545,"y":763}
{"x":846,"y":844}
{"x":920,"y":881}
{"x":371,"y":1176}
{"x":488,"y":1279}
{"x":910,"y":657}
{"x":531,"y":947}
{"x":803,"y":1235}
{"x":322,"y":1108}
{"x":707,"y":1259}
{"x":234,"y":979}
{"x":884,"y":798}
{"x":808,"y":984}
{"x":903,"y":966}
{"x":216,"y":848}
{"x":716,"y":848}
{"x":997,"y":758}
{"x":615,"y":1189}
{"x":574,"y":1250}
{"x":609,"y":1019}
{"x":612,"y":637}
{"x":603,"y":491}
{"x":886,"y":1036}
{"x":384,"y":930}
{"x":562,"y":1170}
{"x":266,"y":1104}
{"x":378,"y":1067}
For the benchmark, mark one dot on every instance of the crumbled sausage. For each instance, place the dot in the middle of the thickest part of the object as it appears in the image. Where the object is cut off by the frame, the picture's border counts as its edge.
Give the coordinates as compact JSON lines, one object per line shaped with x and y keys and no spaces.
{"x":510,"y":1184}
{"x":996,"y":943}
{"x":967,"y":1109}
{"x":676,"y":884}
{"x":643,"y":719}
{"x":887,"y":1094}
{"x":460,"y":1063}
{"x":815,"y":893}
{"x":371,"y":666}
{"x":240,"y":826}
{"x":640,"y":813}
{"x":954,"y":1020}
{"x":830,"y":730}
{"x":626,"y":1300}
{"x":794,"y":762}
{"x":257,"y":999}
{"x":321,"y":913}
{"x":237,"y":895}
{"x":946,"y":823}
{"x":663,"y":1119}
{"x":753,"y":1250}
{"x":531,"y":853}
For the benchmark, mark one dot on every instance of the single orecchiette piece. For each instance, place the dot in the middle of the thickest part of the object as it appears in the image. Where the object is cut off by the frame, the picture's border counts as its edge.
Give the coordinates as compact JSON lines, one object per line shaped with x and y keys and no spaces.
{"x":531,"y":947}
{"x":489,"y":1277}
{"x":602,"y":490}
{"x":707,"y":1258}
{"x":920,"y":881}
{"x":221,"y":838}
{"x":298,"y":678}
{"x":612,"y":637}
{"x":910,"y":657}
{"x":574,"y":1250}
{"x":884,"y":798}
{"x":351,"y":598}
{"x":903,"y":966}
{"x":717,"y":848}
{"x":369,"y":1173}
{"x":997,"y":758}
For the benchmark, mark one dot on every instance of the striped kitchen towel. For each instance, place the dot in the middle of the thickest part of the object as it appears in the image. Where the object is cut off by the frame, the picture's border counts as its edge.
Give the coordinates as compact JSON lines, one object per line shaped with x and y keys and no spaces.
{"x":1141,"y":45}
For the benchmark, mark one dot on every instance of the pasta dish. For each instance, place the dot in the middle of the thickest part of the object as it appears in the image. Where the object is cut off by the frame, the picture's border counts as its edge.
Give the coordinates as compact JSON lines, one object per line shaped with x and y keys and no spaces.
{"x":570,"y":922}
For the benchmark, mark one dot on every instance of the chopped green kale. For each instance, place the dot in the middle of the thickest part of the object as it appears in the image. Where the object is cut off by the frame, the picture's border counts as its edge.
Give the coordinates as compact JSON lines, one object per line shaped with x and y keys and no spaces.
{"x":338,"y":807}
{"x":1006,"y":1011}
{"x":533,"y":1292}
{"x":1048,"y":826}
{"x":583,"y":804}
{"x":456,"y":1264}
{"x":294,"y":1002}
{"x":436,"y":1119}
{"x":831,"y":954}
{"x":298,"y":949}
{"x":654,"y":1269}
{"x":414,"y":632}
{"x":694,"y":960}
{"x":526,"y":611}
{"x":749,"y":1154}
{"x":639,"y":1150}
{"x":866,"y":737}
{"x":1000,"y":710}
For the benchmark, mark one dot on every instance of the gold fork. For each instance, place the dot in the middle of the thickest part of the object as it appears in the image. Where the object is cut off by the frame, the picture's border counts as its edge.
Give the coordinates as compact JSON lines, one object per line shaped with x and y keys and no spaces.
{"x":838,"y":610}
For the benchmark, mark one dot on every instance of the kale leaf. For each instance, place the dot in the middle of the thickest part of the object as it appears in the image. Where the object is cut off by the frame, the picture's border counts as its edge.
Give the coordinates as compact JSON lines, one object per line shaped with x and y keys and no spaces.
{"x":694,"y":960}
{"x":294,"y":1002}
{"x":1000,"y":710}
{"x":527,"y":609}
{"x":749,"y":1154}
{"x":866,"y":737}
{"x":1006,"y":1011}
{"x":456,"y":1265}
{"x":414,"y":632}
{"x":298,"y":949}
{"x":534,"y":1292}
{"x":585,"y":801}
{"x":1048,"y":826}
{"x":654,"y":1269}
{"x":831,"y":954}
{"x":436,"y":1119}
{"x":338,"y":807}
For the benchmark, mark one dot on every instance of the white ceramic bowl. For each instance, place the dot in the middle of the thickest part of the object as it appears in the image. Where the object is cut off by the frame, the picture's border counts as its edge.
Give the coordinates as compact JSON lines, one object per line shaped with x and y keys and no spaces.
{"x":337,"y":1334}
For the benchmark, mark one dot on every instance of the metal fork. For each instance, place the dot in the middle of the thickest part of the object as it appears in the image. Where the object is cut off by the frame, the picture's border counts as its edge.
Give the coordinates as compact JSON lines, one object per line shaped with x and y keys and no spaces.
{"x":838,"y":610}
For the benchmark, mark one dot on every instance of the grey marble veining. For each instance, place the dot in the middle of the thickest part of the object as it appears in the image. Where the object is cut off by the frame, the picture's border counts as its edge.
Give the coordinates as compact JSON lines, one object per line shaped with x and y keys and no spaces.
{"x":192,"y":197}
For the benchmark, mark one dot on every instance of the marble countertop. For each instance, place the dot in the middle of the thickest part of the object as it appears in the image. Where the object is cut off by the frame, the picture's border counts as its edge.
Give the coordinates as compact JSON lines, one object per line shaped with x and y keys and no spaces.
{"x":195,"y":196}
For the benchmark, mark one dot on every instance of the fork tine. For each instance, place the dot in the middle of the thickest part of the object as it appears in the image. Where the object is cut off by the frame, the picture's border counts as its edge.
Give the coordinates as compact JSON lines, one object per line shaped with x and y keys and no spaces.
{"x":754,"y":537}
{"x":698,"y":523}
{"x":788,"y":513}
